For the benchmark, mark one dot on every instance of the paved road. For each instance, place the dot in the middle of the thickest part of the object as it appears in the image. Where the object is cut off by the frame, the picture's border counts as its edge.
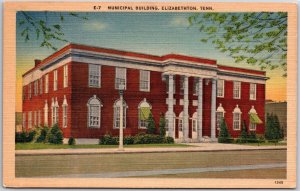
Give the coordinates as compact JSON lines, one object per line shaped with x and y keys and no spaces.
{"x":171,"y":171}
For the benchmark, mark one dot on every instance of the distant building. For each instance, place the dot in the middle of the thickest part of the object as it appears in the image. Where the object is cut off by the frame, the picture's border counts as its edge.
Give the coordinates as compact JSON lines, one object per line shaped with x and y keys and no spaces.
{"x":77,"y":87}
{"x":279,"y":109}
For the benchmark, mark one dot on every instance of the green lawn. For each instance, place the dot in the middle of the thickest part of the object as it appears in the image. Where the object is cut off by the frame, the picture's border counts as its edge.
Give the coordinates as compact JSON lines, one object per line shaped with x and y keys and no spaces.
{"x":31,"y":146}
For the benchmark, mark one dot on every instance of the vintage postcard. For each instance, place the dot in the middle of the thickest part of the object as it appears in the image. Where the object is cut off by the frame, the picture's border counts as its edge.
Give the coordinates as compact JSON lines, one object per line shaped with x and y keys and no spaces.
{"x":149,"y":95}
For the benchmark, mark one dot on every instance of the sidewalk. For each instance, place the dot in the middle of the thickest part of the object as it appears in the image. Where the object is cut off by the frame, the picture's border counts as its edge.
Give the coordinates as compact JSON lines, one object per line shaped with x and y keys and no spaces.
{"x":197,"y":147}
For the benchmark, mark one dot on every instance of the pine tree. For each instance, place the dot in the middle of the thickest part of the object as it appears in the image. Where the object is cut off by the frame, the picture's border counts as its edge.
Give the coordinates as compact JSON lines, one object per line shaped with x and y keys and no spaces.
{"x":244,"y":135}
{"x":224,"y":134}
{"x":277,"y":130}
{"x":273,"y":131}
{"x":162,"y":124}
{"x":151,"y":125}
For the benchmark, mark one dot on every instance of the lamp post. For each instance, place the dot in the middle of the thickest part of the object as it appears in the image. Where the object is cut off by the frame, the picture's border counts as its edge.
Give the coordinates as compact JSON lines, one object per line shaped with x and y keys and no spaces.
{"x":121,"y":92}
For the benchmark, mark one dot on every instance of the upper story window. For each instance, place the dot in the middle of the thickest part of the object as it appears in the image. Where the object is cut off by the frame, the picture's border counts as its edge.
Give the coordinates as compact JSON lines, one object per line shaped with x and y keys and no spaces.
{"x":54,"y":80}
{"x":120,"y":77}
{"x":35,"y":87}
{"x":144,"y":111}
{"x":220,"y":88}
{"x":237,"y":118}
{"x":94,"y":112}
{"x":29,"y":91}
{"x":219,"y":115}
{"x":117,"y":107}
{"x":237,"y":90}
{"x":46,"y":83}
{"x":252,"y":91}
{"x":65,"y":76}
{"x":41,"y":85}
{"x":144,"y":80}
{"x":94,"y":75}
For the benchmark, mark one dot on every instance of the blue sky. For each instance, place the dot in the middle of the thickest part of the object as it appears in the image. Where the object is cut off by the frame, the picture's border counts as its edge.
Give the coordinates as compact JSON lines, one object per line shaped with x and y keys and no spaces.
{"x":150,"y":33}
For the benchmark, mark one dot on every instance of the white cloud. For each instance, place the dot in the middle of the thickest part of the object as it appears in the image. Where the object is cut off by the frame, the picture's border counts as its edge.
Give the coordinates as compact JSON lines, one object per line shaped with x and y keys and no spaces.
{"x":95,"y":26}
{"x":179,"y":22}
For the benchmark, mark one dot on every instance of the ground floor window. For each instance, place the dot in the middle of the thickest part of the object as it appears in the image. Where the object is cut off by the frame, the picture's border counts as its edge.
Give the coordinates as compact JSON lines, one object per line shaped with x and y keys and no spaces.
{"x":117,"y":107}
{"x":144,"y":111}
{"x":94,"y":112}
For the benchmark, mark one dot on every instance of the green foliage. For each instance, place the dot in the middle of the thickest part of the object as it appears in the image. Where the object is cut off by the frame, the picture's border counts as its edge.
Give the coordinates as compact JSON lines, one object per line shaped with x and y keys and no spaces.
{"x":141,"y":138}
{"x":151,"y":125}
{"x":71,"y":141}
{"x":273,"y":130}
{"x":244,"y":134}
{"x":55,"y":135}
{"x":224,"y":136}
{"x":24,"y":137}
{"x":39,"y":27}
{"x":162,"y":125}
{"x":43,"y":135}
{"x":255,"y":38}
{"x":108,"y":140}
{"x":128,"y":140}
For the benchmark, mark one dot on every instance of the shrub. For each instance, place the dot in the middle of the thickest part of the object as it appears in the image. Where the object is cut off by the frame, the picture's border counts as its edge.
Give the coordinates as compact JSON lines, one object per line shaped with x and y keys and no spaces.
{"x":71,"y":141}
{"x":128,"y":140}
{"x":243,"y":136}
{"x":168,"y":140}
{"x":224,"y":136}
{"x":55,"y":135}
{"x":151,"y":125}
{"x":107,"y":139}
{"x":43,"y":135}
{"x":273,"y":130}
{"x":162,"y":125}
{"x":148,"y":139}
{"x":20,"y":137}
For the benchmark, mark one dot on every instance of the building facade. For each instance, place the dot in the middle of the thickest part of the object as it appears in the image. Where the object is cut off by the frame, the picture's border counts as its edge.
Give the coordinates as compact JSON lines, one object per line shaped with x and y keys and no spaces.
{"x":78,"y":88}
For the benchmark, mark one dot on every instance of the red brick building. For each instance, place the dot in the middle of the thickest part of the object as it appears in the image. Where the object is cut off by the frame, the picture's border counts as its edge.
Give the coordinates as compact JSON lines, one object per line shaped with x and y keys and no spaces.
{"x":77,"y":87}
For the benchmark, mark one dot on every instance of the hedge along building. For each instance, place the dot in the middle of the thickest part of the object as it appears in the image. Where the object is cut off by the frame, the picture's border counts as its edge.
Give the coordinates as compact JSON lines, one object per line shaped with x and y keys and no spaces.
{"x":77,"y":87}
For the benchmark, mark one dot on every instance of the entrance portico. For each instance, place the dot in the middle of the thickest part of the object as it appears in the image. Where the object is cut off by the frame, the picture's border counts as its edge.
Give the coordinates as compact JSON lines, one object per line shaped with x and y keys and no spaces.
{"x":185,"y":118}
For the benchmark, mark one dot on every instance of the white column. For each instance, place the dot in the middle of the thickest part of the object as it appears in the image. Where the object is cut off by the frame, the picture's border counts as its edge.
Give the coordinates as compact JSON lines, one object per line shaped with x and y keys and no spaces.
{"x":170,"y":116}
{"x":213,"y":109}
{"x":186,"y":109}
{"x":200,"y":108}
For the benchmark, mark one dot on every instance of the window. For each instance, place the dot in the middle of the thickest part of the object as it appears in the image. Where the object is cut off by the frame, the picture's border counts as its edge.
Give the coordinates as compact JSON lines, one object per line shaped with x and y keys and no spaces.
{"x":24,"y":120}
{"x":35,"y":87}
{"x":46,"y":83}
{"x":237,"y":118}
{"x":144,"y":80}
{"x":65,"y":112}
{"x":54,"y":80}
{"x":219,"y":116}
{"x":252,"y":91}
{"x":41,"y":86}
{"x":253,"y":119}
{"x":46,"y":113}
{"x":181,"y":85}
{"x":194,"y":122}
{"x":94,"y":75}
{"x":39,"y":118}
{"x":29,"y":119}
{"x":120,"y":77}
{"x":94,"y":112}
{"x":55,"y":107}
{"x":180,"y":122}
{"x":117,"y":107}
{"x":220,"y":88}
{"x":236,"y":90}
{"x":174,"y":84}
{"x":65,"y":76}
{"x":144,"y":111}
{"x":29,"y":92}
{"x":195,"y":86}
{"x":35,"y":119}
